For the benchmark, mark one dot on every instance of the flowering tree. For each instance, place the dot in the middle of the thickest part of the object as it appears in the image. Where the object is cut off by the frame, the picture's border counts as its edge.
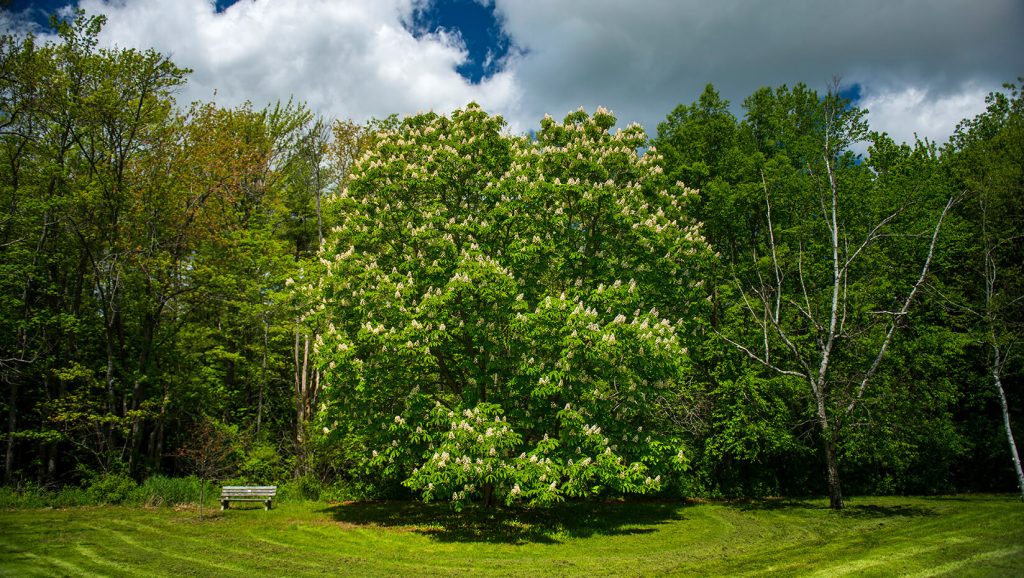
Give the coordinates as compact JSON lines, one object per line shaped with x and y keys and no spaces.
{"x":499,"y":309}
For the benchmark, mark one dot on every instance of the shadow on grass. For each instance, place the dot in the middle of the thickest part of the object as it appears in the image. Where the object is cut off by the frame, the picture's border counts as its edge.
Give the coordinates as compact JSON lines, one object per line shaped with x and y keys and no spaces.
{"x":511,"y":525}
{"x":858,"y":511}
{"x":769,"y":504}
{"x":874,"y":511}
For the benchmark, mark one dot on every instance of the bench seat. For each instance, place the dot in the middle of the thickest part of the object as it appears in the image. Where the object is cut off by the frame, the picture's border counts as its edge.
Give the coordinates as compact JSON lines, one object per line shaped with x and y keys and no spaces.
{"x":263,"y":494}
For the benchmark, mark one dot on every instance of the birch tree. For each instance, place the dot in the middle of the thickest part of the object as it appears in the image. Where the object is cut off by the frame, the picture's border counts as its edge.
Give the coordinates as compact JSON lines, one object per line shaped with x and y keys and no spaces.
{"x":813,"y":294}
{"x":990,"y":164}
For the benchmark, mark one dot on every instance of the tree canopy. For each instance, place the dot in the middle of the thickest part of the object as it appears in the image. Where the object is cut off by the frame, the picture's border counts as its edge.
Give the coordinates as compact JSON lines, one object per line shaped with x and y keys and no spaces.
{"x":498,"y":310}
{"x":743,"y":304}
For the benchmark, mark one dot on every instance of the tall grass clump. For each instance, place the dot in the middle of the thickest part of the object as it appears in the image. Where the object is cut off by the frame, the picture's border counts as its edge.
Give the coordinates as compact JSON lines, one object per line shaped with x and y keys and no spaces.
{"x":34,"y":496}
{"x":28,"y":496}
{"x":164,"y":491}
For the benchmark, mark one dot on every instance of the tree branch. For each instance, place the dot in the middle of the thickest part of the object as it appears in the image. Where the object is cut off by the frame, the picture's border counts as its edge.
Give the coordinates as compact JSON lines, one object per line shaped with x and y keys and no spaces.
{"x":771,"y":245}
{"x":903,"y":310}
{"x":761,"y":360}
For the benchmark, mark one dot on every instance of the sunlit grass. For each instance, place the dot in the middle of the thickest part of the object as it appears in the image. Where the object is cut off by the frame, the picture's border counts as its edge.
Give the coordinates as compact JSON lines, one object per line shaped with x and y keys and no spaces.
{"x":956,"y":536}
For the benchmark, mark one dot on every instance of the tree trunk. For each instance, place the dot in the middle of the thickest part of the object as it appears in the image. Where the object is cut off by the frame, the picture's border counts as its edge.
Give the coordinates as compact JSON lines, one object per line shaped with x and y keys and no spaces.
{"x":109,"y":380}
{"x":55,"y":389}
{"x":156,"y":436}
{"x":301,"y":385}
{"x":263,"y":377}
{"x":150,"y":322}
{"x":835,"y":490}
{"x":828,"y":438}
{"x":488,"y":491}
{"x":1006,"y":423}
{"x":12,"y":424}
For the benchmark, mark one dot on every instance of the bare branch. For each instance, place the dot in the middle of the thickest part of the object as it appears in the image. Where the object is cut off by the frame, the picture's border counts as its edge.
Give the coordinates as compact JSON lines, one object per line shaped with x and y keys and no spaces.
{"x":771,"y":245}
{"x":792,"y":346}
{"x":763,"y":320}
{"x":809,"y":313}
{"x":951,"y":302}
{"x":903,"y":310}
{"x":872,"y":235}
{"x":1009,"y":354}
{"x":834,"y":315}
{"x":761,"y":360}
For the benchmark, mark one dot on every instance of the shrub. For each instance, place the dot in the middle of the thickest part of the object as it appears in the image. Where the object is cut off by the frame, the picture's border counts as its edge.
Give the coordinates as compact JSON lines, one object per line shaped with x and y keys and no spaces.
{"x":30,"y":496}
{"x":33,"y":496}
{"x":262,"y":465}
{"x":72,"y":496}
{"x":306,"y":487}
{"x":111,"y":488}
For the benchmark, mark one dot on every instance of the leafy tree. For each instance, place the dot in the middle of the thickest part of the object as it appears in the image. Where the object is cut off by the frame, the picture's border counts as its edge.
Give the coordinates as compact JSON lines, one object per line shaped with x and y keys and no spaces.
{"x":804,"y":282}
{"x":87,"y":120}
{"x":828,"y":325}
{"x":741,"y":423}
{"x":211,"y":452}
{"x":236,"y":340}
{"x":989,"y":161}
{"x":700,"y":142}
{"x":147,"y":252}
{"x":497,"y":306}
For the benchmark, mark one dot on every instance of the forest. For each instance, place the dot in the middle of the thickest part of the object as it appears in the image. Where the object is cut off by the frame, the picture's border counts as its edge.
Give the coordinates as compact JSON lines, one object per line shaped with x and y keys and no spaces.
{"x":432,"y":307}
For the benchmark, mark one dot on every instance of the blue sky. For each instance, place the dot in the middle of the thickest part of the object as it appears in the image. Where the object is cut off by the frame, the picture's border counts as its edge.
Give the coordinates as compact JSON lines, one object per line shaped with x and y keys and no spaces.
{"x":476,"y":24}
{"x":40,"y":8}
{"x":39,"y":11}
{"x":919,"y":66}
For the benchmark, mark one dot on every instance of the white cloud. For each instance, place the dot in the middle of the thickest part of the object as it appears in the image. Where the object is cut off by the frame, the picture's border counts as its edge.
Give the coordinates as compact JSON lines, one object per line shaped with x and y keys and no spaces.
{"x":922,"y":64}
{"x":911,"y":110}
{"x":643,"y":57}
{"x":345,"y":58}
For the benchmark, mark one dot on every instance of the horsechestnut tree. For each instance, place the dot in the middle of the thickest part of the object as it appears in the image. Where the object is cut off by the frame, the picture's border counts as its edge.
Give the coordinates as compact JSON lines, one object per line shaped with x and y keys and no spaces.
{"x":506,"y":314}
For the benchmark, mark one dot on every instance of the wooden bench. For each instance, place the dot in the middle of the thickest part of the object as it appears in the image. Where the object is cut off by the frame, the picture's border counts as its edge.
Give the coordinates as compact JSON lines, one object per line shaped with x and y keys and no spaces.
{"x":263,"y":494}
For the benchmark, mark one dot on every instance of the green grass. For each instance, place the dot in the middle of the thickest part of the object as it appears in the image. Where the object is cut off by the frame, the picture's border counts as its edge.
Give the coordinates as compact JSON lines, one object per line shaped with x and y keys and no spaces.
{"x":956,"y":536}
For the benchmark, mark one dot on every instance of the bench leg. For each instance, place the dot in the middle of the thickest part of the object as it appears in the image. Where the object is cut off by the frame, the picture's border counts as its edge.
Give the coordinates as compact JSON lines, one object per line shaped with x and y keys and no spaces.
{"x":267,"y":505}
{"x":224,"y":505}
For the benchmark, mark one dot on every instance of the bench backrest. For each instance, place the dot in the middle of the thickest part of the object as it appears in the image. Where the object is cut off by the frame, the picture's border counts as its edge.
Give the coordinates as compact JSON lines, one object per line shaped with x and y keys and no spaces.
{"x":248,"y":491}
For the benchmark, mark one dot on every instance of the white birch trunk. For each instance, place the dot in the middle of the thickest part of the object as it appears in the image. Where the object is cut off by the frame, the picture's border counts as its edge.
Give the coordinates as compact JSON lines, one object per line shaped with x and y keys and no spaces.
{"x":998,"y":383}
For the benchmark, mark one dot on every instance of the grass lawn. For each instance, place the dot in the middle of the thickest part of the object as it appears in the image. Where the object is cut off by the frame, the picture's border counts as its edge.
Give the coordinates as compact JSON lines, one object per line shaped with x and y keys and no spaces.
{"x":956,"y":536}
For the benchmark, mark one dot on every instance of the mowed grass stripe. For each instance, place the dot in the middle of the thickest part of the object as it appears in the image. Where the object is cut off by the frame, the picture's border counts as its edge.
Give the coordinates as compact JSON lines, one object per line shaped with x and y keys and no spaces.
{"x":876,"y":536}
{"x":168,"y":551}
{"x":379,"y":549}
{"x":349,"y":550}
{"x":879,"y":561}
{"x":184,"y":542}
{"x":229,"y":543}
{"x":899,"y":545}
{"x":813,"y":546}
{"x":296,"y":539}
{"x":113,"y":567}
{"x":302,"y":556}
{"x":42,"y":561}
{"x":751,"y":543}
{"x":313,"y":545}
{"x":957,"y":566}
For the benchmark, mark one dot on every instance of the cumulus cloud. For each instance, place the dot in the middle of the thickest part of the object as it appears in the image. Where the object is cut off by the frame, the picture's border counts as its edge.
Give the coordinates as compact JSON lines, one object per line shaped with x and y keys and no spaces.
{"x":344,"y":58}
{"x":914,"y":112}
{"x":920,"y":61}
{"x":922,"y":64}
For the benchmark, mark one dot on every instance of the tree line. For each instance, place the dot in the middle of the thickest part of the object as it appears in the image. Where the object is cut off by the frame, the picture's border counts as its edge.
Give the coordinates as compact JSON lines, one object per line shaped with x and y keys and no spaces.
{"x":433,"y":306}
